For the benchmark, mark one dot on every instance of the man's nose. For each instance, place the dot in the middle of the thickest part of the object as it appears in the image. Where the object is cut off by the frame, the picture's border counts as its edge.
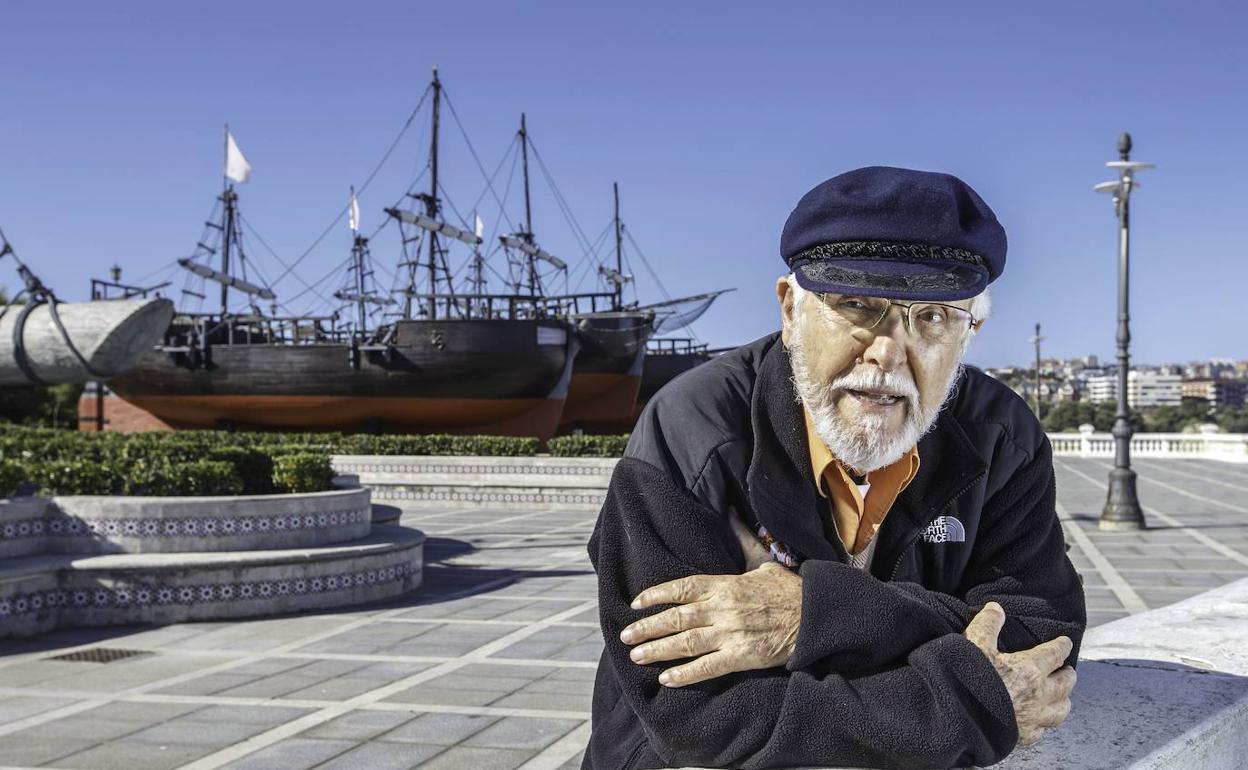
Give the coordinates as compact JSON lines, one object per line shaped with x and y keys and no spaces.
{"x":887,"y":349}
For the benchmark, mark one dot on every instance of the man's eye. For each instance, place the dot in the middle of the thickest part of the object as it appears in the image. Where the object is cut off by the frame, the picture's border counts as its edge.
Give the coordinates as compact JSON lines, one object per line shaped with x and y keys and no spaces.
{"x":851,"y":304}
{"x":932,"y":315}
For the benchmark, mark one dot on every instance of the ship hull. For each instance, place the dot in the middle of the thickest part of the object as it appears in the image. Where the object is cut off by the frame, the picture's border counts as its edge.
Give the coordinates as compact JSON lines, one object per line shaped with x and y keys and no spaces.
{"x":607,"y":373}
{"x":503,"y":377}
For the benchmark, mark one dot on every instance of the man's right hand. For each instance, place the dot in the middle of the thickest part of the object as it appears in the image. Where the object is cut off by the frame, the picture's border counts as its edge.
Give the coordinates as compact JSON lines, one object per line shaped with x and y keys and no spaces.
{"x":1038,"y":683}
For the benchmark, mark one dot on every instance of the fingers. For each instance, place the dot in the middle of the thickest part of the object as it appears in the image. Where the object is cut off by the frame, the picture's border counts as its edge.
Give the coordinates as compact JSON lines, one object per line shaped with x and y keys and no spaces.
{"x":1063,"y":681}
{"x":1050,"y":656}
{"x":984,"y":628}
{"x":684,"y":645}
{"x":671,"y":621}
{"x":1058,"y":688}
{"x":706,"y":667}
{"x":682,"y":591}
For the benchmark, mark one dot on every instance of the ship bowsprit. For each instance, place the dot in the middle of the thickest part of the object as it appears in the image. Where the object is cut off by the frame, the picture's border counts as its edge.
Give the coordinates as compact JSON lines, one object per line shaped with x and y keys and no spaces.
{"x":109,"y":337}
{"x":486,"y":376}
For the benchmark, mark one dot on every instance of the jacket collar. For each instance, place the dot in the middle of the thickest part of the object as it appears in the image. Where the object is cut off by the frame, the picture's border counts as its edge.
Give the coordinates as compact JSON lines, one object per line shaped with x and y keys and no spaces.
{"x":781,"y":484}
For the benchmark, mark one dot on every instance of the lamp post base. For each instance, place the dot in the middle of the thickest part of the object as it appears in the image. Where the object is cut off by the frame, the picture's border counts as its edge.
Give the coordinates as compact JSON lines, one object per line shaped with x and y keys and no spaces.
{"x":1122,"y":508}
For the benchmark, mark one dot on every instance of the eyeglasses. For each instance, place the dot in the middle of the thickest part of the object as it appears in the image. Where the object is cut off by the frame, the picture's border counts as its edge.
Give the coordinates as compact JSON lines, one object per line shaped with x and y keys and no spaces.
{"x":933,"y":322}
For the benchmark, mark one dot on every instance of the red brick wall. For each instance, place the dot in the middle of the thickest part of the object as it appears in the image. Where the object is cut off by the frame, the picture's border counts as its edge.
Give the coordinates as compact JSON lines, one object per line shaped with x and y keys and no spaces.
{"x":118,"y":415}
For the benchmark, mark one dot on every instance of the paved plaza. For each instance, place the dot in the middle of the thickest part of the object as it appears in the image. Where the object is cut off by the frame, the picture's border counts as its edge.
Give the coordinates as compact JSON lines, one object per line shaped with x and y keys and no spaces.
{"x":491,"y":663}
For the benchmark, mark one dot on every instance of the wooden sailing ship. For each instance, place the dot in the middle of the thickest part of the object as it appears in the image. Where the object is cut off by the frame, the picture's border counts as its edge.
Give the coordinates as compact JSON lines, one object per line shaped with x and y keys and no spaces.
{"x":450,"y":361}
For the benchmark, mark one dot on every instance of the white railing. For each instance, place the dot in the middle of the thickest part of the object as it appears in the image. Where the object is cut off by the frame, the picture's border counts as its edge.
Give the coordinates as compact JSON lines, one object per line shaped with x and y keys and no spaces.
{"x":1231,"y":447}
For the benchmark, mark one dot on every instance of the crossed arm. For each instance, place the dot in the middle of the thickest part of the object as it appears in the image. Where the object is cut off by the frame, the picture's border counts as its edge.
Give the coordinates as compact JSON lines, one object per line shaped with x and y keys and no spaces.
{"x":932,"y":691}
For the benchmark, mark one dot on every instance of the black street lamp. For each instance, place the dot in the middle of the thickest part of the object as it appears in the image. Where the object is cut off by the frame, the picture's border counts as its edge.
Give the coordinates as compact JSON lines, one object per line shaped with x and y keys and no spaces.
{"x":1122,"y":508}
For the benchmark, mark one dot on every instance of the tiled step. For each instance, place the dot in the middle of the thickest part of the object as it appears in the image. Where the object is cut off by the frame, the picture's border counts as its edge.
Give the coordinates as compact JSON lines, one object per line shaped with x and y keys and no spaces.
{"x":521,"y":483}
{"x":42,"y":592}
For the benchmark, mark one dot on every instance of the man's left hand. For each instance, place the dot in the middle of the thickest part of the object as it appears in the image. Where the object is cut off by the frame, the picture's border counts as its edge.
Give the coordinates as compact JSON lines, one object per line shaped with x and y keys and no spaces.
{"x":726,"y":622}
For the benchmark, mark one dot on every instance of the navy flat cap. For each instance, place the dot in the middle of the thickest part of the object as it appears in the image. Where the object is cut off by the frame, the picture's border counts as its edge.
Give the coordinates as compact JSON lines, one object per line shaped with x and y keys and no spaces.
{"x":894,"y":232}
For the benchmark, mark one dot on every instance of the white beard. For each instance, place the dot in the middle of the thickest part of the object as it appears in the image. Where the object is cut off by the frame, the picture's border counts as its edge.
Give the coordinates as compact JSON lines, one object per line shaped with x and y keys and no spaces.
{"x":863,"y":444}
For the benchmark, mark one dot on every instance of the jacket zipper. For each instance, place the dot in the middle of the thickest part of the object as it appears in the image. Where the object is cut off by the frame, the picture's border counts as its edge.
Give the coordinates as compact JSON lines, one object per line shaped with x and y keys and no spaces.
{"x":632,"y":755}
{"x":910,"y":543}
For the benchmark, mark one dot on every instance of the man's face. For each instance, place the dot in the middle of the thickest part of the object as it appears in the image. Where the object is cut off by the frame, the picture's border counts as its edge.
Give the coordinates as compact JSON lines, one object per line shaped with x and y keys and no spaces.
{"x":864,"y":428}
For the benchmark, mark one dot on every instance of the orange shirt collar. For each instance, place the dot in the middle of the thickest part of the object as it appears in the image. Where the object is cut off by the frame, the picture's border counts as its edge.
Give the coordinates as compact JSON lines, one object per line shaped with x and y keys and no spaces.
{"x":857,"y":519}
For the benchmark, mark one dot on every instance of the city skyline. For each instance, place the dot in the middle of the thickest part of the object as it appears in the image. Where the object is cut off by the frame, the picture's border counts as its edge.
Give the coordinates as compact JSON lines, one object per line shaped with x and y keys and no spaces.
{"x":713,"y":118}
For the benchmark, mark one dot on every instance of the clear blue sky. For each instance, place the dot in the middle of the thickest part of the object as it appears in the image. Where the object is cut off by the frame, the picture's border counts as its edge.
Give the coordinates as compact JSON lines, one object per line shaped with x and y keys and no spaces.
{"x":715,"y":117}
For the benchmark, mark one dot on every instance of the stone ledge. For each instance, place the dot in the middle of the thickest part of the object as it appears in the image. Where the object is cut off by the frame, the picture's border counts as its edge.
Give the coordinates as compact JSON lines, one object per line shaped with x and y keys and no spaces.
{"x":39,"y":593}
{"x":113,"y":524}
{"x":523,"y":483}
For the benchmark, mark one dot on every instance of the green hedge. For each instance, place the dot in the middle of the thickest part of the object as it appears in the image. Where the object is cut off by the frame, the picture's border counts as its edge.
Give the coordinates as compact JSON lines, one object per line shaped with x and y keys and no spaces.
{"x":187,"y":462}
{"x":12,"y":473}
{"x":202,"y":478}
{"x":588,"y":446}
{"x":306,"y":472}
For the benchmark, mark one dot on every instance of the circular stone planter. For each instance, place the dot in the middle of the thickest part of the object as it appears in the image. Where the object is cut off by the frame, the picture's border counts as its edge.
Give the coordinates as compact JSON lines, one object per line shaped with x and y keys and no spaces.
{"x":113,"y":524}
{"x":40,"y":593}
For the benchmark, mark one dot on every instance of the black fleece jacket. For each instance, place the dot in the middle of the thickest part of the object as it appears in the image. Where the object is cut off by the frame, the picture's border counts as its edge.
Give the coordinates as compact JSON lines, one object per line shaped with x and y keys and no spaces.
{"x":881,"y":675}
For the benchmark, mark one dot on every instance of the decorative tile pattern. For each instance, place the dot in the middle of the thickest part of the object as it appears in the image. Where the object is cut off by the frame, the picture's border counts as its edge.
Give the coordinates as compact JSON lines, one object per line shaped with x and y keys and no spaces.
{"x":136,"y":596}
{"x":542,"y":498}
{"x":61,"y":525}
{"x":346,"y":465}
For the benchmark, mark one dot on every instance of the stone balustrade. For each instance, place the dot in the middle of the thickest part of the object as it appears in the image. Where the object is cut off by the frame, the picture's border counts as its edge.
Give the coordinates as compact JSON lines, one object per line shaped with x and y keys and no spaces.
{"x":1206,"y":445}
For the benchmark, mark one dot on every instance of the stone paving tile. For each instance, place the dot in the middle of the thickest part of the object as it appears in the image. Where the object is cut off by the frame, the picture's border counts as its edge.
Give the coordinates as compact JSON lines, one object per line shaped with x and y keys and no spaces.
{"x":76,"y":727}
{"x":557,"y":643}
{"x":522,"y":733}
{"x":440,"y":729}
{"x":22,"y":749}
{"x":15,"y":707}
{"x":260,"y":715}
{"x":292,"y":754}
{"x":134,"y":711}
{"x":465,"y":757}
{"x":381,"y":755}
{"x":360,"y":725}
{"x":132,"y":755}
{"x":209,"y":684}
{"x":218,"y":735}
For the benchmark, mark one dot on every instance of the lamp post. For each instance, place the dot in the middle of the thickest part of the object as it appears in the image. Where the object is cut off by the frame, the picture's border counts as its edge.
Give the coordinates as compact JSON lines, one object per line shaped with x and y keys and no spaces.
{"x":1122,"y":508}
{"x":1037,"y":339}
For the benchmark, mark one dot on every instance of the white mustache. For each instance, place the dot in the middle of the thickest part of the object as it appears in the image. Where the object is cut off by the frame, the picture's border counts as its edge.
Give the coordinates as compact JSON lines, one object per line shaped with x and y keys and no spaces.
{"x":877,"y":381}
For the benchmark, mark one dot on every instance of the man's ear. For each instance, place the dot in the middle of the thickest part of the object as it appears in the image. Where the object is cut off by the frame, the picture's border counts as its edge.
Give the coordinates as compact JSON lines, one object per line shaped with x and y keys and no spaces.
{"x":784,"y":295}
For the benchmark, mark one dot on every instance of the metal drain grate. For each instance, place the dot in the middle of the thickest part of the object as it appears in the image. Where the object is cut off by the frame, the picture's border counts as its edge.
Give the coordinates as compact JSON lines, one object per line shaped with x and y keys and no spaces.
{"x":99,"y":655}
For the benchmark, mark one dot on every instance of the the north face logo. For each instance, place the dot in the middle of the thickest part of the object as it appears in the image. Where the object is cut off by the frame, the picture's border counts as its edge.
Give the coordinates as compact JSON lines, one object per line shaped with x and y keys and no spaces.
{"x":944,"y":529}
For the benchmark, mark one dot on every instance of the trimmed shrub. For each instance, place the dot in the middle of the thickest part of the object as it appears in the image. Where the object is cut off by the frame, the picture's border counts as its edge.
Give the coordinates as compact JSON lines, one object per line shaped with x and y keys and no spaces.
{"x":202,"y":478}
{"x":307,"y":472}
{"x":253,"y":467}
{"x":588,"y":446}
{"x":12,"y":473}
{"x":494,"y":446}
{"x":72,"y":477}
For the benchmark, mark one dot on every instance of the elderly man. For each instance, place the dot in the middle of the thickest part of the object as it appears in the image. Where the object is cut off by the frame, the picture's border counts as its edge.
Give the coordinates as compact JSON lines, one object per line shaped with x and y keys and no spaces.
{"x":838,"y":545}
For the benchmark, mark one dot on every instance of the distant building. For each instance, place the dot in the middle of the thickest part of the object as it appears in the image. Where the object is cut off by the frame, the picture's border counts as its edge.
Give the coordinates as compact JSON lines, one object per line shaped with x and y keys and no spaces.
{"x":1221,"y":391}
{"x":1067,"y":391}
{"x":1144,"y":389}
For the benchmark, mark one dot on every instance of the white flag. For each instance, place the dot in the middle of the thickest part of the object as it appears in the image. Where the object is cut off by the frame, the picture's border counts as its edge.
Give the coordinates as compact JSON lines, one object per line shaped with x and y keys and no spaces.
{"x":480,"y":227}
{"x":236,"y":165}
{"x":355,"y":213}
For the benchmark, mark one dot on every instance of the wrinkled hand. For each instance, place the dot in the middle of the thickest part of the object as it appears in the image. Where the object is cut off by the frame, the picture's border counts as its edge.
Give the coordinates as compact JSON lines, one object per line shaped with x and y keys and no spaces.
{"x":726,"y":622}
{"x":1038,"y":683}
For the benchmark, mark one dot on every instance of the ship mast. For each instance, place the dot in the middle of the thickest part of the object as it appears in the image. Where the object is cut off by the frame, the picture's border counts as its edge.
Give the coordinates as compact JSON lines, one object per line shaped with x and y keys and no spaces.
{"x":357,"y":251}
{"x":431,"y":203}
{"x":227,"y":198}
{"x":528,"y":211}
{"x":619,"y":249}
